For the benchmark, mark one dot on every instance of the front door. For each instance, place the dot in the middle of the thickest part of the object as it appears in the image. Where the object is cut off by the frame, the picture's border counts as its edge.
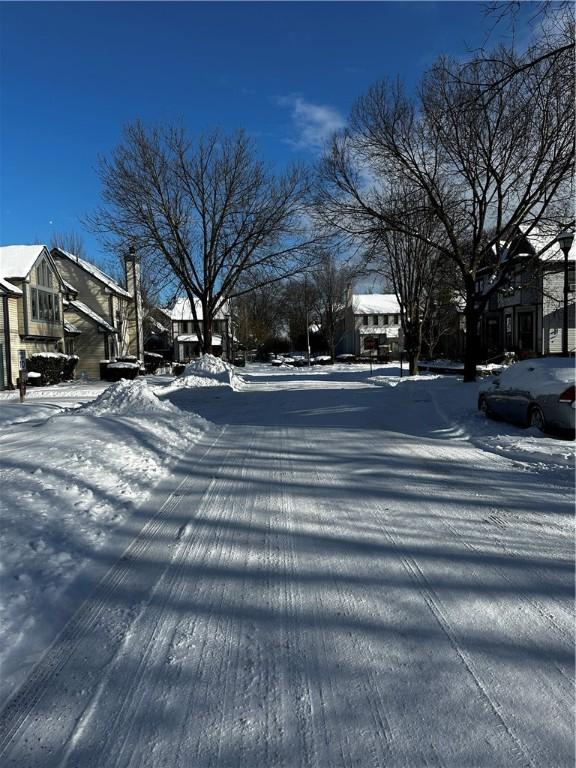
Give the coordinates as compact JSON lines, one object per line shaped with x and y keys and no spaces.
{"x":526,"y":332}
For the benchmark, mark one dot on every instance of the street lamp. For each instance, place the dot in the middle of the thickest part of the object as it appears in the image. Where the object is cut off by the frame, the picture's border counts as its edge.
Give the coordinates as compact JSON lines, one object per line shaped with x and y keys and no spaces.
{"x":565,"y":240}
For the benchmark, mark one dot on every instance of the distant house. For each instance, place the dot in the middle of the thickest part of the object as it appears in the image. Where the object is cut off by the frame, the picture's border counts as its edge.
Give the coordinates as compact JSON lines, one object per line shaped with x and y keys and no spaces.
{"x":31,"y":307}
{"x":184,"y":330}
{"x":158,"y":332}
{"x":103,"y":319}
{"x":371,"y":321}
{"x":525,"y":315}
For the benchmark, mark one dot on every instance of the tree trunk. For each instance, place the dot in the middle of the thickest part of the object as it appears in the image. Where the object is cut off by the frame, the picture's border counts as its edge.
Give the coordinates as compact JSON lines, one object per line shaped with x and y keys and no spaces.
{"x":412,"y":363}
{"x":471,"y":349}
{"x":207,"y":329}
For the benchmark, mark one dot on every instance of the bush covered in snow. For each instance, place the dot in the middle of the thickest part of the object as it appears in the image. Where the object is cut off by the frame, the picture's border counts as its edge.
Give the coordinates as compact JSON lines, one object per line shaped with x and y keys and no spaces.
{"x":126,"y":367}
{"x":53,"y":367}
{"x":152,"y":361}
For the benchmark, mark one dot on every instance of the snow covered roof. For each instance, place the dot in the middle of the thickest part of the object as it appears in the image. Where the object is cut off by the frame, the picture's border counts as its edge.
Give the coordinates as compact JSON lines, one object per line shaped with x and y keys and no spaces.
{"x":93,"y":270}
{"x":79,"y":306}
{"x":182,"y":310}
{"x":155,"y":324}
{"x":17,"y":260}
{"x":9,"y":288}
{"x":71,"y":328}
{"x":375,"y":304}
{"x":193,"y":337}
{"x":546,"y":244}
{"x":69,"y":288}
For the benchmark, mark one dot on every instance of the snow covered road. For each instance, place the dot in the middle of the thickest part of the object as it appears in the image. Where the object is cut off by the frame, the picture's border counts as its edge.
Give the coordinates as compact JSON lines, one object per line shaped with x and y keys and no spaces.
{"x":341,"y":576}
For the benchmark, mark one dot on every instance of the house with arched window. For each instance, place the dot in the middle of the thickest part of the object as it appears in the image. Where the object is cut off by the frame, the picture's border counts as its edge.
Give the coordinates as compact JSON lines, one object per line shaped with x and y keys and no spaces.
{"x":32,"y":292}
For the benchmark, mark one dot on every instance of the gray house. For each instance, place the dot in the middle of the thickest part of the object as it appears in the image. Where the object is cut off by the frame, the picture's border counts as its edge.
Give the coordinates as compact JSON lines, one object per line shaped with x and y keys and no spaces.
{"x":525,"y":315}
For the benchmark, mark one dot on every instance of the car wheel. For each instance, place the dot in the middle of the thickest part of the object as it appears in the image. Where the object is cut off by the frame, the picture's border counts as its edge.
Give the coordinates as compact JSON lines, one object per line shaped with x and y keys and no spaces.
{"x":536,"y":418}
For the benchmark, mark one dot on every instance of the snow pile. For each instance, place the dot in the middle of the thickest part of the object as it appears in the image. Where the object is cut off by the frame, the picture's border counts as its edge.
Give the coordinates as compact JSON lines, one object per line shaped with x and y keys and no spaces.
{"x":69,"y":478}
{"x":208,"y":365}
{"x":206,"y":371}
{"x":393,"y":381}
{"x":128,"y":398}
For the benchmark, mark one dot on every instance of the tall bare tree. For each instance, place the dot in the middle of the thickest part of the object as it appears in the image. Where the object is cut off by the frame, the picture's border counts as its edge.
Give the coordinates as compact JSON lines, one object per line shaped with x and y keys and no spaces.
{"x":208,"y":211}
{"x":409,"y":265}
{"x":71,"y":242}
{"x":330,"y":281}
{"x":484,"y":161}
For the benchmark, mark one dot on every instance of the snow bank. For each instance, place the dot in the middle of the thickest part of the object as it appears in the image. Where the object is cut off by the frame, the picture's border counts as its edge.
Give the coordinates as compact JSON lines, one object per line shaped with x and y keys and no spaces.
{"x":393,"y":381}
{"x":206,"y":371}
{"x":130,"y":398}
{"x":208,"y":365}
{"x":70,"y":477}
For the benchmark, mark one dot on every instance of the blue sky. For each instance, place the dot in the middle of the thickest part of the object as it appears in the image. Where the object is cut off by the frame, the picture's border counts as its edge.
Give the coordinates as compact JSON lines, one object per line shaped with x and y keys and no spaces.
{"x":74,"y":73}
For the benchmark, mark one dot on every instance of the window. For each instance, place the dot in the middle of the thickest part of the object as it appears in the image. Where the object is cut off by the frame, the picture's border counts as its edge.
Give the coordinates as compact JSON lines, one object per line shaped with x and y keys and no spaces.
{"x":364,"y":319}
{"x":396,"y":319}
{"x":45,"y":305}
{"x":375,"y":319}
{"x":44,"y":274}
{"x":386,"y":319}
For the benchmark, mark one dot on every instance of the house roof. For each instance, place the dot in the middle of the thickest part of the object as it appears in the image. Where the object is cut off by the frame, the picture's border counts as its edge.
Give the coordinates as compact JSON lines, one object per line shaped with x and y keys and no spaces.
{"x":69,"y":288}
{"x":155,"y":324}
{"x":16,"y":261}
{"x":71,"y":329}
{"x":79,"y":306}
{"x":375,"y":304}
{"x":193,"y":337}
{"x":9,"y":288}
{"x":182,"y":310}
{"x":546,"y":244}
{"x":92,"y":270}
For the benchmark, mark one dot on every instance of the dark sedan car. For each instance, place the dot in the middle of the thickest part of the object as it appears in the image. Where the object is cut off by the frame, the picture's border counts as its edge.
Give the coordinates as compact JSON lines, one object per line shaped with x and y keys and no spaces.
{"x":537,"y":393}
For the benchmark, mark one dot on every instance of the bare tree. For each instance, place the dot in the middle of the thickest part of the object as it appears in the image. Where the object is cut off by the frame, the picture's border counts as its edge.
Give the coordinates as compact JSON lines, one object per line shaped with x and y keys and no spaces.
{"x":483,"y":160}
{"x":330,"y":280}
{"x":552,"y":24}
{"x":259,"y":315}
{"x":208,"y":211}
{"x":409,"y":265}
{"x":71,"y":242}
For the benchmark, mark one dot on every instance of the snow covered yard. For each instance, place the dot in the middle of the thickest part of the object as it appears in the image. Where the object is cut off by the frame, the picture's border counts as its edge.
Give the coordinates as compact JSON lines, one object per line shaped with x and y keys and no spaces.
{"x":350,"y":570}
{"x":76,"y":460}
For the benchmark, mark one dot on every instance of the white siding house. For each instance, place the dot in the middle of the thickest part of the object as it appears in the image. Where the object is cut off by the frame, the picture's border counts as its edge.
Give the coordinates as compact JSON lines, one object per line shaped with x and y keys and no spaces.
{"x":371,"y":322}
{"x":185,"y":330}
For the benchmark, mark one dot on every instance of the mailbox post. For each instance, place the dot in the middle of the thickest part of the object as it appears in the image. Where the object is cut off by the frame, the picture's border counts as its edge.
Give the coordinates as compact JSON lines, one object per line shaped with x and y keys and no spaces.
{"x":22,"y":374}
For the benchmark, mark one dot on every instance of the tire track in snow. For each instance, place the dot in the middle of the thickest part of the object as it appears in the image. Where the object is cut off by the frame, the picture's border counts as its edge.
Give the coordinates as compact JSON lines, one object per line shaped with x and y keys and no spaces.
{"x":517,"y":748}
{"x":563,"y":632}
{"x":378,"y":740}
{"x":101,"y":626}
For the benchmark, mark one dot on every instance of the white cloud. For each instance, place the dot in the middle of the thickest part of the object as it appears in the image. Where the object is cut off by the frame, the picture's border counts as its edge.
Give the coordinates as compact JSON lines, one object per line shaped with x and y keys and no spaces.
{"x":312,"y":124}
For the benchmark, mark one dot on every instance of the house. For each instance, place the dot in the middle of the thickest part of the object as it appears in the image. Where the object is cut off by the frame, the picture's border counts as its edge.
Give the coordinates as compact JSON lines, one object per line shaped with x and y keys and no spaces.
{"x":103,"y":319}
{"x":525,"y":315}
{"x":184,"y":330}
{"x":158,"y":332}
{"x":371,"y":321}
{"x":31,"y":307}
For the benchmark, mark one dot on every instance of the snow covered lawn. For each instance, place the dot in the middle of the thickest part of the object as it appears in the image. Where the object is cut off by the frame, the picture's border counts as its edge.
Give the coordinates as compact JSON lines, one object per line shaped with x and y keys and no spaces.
{"x":70,"y":474}
{"x":345,"y":569}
